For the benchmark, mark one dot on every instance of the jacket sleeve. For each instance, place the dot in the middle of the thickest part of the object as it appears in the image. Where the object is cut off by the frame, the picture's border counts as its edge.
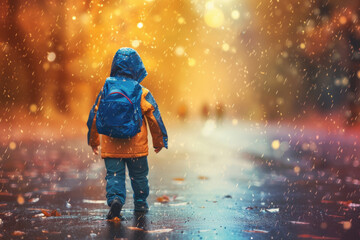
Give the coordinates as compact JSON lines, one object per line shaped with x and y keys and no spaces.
{"x":93,"y":136}
{"x":151,"y":111}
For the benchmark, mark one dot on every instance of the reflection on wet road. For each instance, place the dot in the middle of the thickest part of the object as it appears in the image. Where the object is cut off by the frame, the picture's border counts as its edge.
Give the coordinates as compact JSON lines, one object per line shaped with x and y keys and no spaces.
{"x":216,"y":181}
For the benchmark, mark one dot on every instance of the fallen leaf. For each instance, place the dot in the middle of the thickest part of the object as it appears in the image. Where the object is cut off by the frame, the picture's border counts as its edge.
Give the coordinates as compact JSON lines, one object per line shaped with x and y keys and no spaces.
{"x":115,"y":219}
{"x":256,"y":231}
{"x":203,"y":178}
{"x":345,"y":203}
{"x":5,"y":194}
{"x":46,"y":213}
{"x":163,"y":199}
{"x":179,"y":179}
{"x":54,"y":213}
{"x":135,"y":228}
{"x":20,"y":199}
{"x":272,"y":210}
{"x":34,"y":200}
{"x":18,"y":233}
{"x":317,"y":237}
{"x":160,"y":230}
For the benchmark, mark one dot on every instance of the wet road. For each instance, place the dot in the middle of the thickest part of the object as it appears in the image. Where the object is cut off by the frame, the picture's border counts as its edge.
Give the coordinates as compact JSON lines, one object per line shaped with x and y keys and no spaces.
{"x":221,"y":181}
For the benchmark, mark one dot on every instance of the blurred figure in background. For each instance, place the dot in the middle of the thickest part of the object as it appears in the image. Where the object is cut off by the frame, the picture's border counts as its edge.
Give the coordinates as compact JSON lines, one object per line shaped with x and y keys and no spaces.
{"x":205,"y":111}
{"x":219,"y":112}
{"x":182,"y":111}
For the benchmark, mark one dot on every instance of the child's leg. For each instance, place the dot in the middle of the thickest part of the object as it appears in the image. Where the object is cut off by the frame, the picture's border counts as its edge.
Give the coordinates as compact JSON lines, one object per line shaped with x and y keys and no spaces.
{"x":115,"y":179}
{"x":138,"y":171}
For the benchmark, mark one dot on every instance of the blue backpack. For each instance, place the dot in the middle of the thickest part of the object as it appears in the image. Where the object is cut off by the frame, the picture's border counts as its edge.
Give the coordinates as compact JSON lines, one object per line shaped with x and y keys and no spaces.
{"x":119,"y":113}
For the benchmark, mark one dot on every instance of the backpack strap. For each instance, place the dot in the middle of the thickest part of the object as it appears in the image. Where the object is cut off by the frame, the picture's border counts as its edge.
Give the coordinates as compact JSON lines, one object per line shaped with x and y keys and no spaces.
{"x":92,"y":115}
{"x":98,"y":98}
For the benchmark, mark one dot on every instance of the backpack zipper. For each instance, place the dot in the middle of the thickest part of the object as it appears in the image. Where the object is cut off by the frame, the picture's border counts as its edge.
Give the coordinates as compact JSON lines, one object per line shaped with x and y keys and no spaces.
{"x":123,"y":95}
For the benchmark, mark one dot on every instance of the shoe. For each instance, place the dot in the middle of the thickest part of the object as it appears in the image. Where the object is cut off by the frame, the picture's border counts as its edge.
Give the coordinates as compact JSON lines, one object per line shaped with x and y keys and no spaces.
{"x":141,"y":207}
{"x":115,"y":209}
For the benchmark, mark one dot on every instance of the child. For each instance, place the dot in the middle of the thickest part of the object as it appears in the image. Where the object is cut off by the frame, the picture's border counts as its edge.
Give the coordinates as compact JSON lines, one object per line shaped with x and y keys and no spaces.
{"x":116,"y":152}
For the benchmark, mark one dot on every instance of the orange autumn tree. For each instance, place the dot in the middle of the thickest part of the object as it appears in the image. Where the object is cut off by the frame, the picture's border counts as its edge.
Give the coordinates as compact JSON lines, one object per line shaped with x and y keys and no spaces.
{"x":61,"y":51}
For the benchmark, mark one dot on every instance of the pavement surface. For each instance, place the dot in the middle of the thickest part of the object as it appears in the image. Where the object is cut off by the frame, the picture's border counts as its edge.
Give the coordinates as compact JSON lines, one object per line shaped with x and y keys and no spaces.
{"x":228,"y":180}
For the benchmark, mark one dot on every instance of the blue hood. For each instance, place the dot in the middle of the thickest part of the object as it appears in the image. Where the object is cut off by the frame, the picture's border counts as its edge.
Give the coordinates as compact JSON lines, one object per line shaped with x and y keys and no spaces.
{"x":127,"y":63}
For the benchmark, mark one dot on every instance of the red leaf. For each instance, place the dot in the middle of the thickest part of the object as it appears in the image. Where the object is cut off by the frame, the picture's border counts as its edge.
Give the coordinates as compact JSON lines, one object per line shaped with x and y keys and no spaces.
{"x":5,"y":194}
{"x":163,"y":199}
{"x":46,"y":213}
{"x":317,"y":237}
{"x":18,"y":233}
{"x":179,"y":179}
{"x":345,"y":203}
{"x":55,"y":213}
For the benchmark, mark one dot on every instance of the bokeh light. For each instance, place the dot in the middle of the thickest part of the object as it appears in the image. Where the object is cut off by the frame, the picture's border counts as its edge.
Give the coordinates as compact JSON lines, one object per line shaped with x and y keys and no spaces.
{"x":51,"y":56}
{"x":214,"y":17}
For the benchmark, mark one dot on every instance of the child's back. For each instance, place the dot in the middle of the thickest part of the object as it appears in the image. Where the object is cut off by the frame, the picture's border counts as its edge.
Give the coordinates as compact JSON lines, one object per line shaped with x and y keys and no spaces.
{"x":128,"y":66}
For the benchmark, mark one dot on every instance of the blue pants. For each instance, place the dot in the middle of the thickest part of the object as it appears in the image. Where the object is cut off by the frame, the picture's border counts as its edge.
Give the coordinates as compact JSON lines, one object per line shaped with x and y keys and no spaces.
{"x":115,"y":178}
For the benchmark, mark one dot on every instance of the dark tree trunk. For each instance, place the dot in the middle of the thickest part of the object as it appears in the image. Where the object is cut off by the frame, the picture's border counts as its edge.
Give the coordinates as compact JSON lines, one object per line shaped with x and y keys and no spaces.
{"x":59,"y":46}
{"x":16,"y":38}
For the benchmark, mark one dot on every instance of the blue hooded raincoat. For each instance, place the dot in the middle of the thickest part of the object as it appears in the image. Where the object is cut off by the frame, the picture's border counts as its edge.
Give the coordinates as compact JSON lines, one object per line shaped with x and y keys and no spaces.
{"x":128,"y":66}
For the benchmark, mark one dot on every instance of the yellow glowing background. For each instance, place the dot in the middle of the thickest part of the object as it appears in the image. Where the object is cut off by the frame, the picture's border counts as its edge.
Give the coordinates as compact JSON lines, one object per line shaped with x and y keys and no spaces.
{"x":256,"y":58}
